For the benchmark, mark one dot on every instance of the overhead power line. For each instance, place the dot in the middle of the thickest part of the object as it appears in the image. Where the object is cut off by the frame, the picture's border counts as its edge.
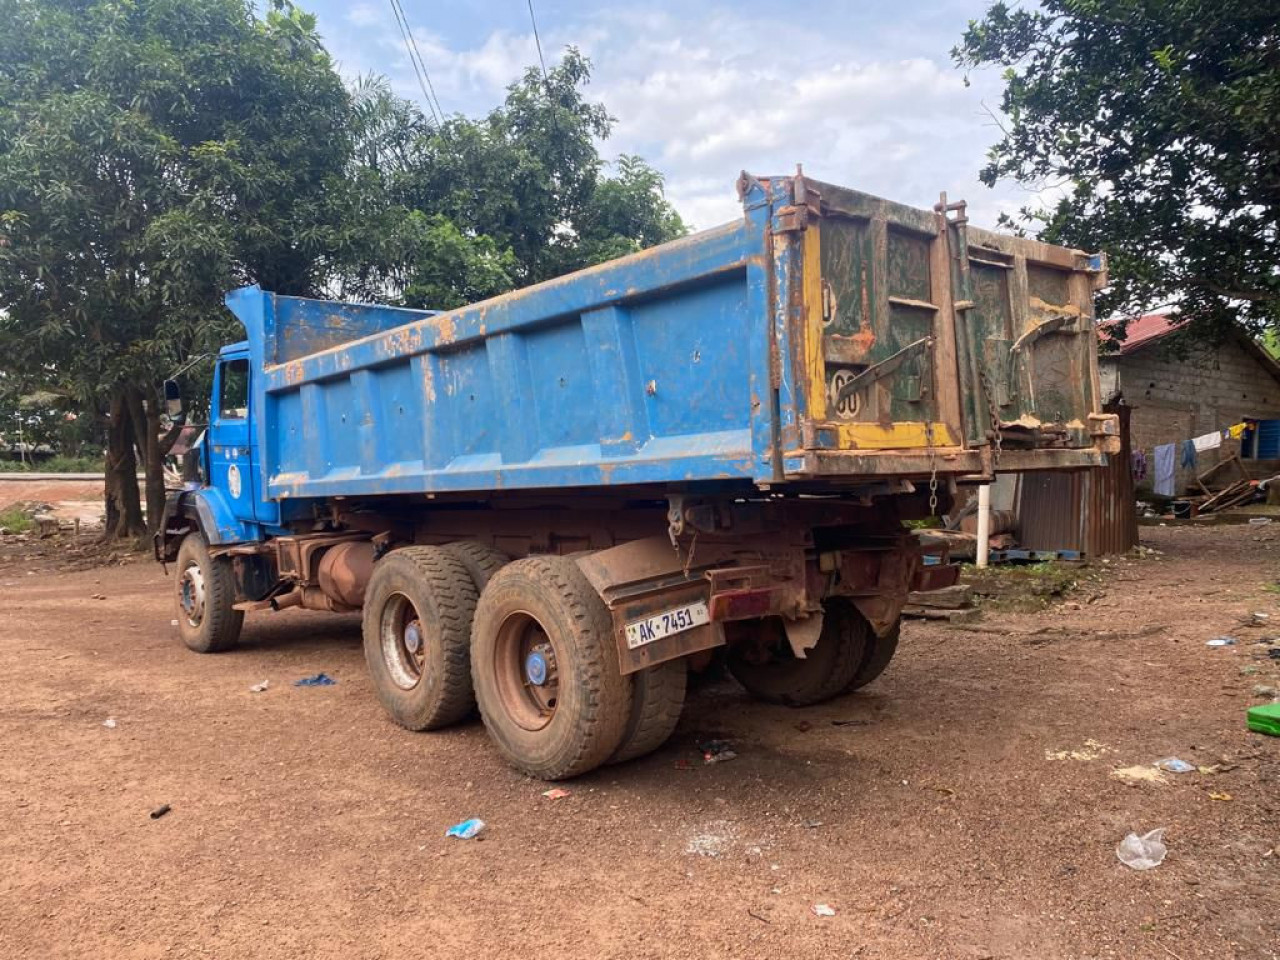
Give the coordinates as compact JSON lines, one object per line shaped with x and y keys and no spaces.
{"x":546,"y":83}
{"x":538,"y":42}
{"x":419,"y":65}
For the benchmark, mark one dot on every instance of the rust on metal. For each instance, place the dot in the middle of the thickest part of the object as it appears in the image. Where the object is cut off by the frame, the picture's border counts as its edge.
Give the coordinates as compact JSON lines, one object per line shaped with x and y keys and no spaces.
{"x":1091,"y":512}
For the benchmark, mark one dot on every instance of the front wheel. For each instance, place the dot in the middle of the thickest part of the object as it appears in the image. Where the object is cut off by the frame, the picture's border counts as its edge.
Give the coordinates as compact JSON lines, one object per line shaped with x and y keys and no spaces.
{"x":206,"y":595}
{"x":770,"y":671}
{"x":545,"y":667}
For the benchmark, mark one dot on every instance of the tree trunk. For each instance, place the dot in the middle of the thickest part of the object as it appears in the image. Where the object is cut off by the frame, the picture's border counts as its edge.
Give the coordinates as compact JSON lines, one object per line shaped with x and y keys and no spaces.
{"x":145,"y":420}
{"x":157,"y":447}
{"x":124,"y":507}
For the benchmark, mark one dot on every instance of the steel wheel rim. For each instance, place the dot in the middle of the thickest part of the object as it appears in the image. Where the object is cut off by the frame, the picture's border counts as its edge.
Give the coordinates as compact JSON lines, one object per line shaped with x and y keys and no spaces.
{"x":191,"y":593}
{"x":403,"y":642}
{"x":527,"y":671}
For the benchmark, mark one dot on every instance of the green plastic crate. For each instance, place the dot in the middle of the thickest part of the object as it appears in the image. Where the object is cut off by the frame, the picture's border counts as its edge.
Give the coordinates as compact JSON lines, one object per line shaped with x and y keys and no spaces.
{"x":1265,"y":719}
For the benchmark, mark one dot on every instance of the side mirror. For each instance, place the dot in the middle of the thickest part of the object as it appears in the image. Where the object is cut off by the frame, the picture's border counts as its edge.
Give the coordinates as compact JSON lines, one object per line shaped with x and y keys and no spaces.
{"x":172,"y":398}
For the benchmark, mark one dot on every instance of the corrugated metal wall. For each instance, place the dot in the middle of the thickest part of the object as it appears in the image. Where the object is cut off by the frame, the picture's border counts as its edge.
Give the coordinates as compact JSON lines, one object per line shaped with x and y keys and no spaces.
{"x":1091,"y":511}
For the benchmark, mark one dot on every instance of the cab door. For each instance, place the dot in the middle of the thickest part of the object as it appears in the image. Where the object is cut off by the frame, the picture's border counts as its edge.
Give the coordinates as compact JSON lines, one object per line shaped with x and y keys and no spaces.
{"x":230,"y":438}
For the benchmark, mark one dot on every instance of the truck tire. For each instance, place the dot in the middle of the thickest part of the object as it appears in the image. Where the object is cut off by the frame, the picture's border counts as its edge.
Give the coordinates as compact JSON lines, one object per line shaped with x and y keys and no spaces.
{"x":545,"y":668}
{"x":206,"y":594}
{"x":482,"y":561}
{"x":771,"y":672}
{"x":657,"y":700}
{"x":417,"y":636}
{"x":880,"y":651}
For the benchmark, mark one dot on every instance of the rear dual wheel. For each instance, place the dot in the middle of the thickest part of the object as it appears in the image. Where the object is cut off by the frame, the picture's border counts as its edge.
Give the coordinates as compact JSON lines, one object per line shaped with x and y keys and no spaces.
{"x":417,"y":634}
{"x":847,"y":656}
{"x":657,"y":700}
{"x":418,"y":612}
{"x":545,"y":669}
{"x":536,"y":652}
{"x":879,"y":652}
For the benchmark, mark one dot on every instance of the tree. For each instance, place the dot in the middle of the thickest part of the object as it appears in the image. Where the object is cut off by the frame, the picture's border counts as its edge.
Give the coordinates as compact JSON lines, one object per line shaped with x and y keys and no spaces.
{"x":464,"y":210}
{"x":1157,"y":119}
{"x":35,"y":418}
{"x":411,"y":257}
{"x":152,"y":155}
{"x":529,"y":177}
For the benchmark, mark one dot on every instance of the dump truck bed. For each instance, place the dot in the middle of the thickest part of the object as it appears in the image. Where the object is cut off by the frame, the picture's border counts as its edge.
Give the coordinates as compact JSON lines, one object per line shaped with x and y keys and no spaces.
{"x":825,"y":339}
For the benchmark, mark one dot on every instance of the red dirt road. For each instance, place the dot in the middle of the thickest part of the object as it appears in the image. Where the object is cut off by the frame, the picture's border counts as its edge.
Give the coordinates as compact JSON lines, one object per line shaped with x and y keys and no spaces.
{"x":937,"y":824}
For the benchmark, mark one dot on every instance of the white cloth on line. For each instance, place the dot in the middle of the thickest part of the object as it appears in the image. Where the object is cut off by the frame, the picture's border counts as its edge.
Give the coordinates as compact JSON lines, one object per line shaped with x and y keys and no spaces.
{"x":1163,"y":480}
{"x":1209,"y":441}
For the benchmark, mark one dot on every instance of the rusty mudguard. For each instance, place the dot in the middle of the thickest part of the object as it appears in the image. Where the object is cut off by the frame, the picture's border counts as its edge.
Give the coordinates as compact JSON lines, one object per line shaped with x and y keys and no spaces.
{"x":748,"y":578}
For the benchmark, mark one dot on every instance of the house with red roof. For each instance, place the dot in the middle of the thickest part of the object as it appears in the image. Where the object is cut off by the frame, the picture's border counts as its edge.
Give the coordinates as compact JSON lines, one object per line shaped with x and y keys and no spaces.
{"x":1180,"y":391}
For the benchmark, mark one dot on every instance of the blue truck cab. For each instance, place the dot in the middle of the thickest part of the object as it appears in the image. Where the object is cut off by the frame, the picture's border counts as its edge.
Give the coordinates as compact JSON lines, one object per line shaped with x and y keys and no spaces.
{"x":556,"y":503}
{"x":229,"y":503}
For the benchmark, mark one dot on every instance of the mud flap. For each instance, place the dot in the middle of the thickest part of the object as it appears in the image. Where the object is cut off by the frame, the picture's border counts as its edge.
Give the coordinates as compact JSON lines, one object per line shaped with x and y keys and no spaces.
{"x":803,"y":634}
{"x":882,"y":611}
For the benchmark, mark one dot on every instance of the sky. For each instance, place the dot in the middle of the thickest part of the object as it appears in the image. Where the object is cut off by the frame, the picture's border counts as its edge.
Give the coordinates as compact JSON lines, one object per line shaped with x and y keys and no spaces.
{"x":862,"y":93}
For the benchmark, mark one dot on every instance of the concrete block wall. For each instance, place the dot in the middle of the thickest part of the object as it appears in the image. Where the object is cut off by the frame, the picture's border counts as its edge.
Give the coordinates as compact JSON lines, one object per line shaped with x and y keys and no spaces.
{"x":1174,"y":400}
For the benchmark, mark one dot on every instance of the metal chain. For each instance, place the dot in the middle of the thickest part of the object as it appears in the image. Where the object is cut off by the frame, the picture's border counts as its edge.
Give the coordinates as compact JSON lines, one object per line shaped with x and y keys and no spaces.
{"x":933,"y":466}
{"x":693,"y":545}
{"x":994,"y":412}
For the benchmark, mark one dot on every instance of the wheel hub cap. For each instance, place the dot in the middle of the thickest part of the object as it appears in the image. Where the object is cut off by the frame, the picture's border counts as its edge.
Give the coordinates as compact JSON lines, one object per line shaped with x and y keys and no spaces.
{"x":413,"y":637}
{"x":191,"y":595}
{"x":535,"y":668}
{"x":526,"y":671}
{"x":404,"y":641}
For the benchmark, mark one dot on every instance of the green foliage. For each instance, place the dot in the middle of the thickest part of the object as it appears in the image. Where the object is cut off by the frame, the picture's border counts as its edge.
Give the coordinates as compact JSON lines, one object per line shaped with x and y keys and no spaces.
{"x":55,"y":464}
{"x":1157,"y":117}
{"x":151,"y":156}
{"x":16,"y":520}
{"x":40,"y":420}
{"x":155,"y":154}
{"x":523,"y":188}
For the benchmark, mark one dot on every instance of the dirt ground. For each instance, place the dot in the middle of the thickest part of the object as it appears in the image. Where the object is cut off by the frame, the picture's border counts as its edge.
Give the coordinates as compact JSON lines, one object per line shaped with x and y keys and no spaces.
{"x":69,"y":500}
{"x":945,"y":816}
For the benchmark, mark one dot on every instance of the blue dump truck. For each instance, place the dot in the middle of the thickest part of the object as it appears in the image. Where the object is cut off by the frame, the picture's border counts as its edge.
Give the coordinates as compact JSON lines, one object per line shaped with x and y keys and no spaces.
{"x":556,"y":504}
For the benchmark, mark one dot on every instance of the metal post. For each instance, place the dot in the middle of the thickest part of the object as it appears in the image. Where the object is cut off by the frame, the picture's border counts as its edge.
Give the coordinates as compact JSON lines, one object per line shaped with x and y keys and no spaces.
{"x":984,"y":523}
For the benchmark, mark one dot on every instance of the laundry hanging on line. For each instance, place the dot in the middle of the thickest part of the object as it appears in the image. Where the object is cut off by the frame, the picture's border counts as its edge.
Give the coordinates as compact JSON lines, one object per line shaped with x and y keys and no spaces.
{"x":1207,"y":441}
{"x":1164,"y":470}
{"x":1138,"y":465}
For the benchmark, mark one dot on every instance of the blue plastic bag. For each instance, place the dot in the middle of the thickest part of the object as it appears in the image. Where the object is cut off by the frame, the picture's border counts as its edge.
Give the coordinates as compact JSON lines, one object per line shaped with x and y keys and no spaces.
{"x":466,"y":829}
{"x":319,"y":680}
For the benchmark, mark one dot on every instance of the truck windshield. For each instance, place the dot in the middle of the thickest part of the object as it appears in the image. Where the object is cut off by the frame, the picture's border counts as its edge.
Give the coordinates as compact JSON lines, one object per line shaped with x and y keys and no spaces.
{"x":234,"y":402}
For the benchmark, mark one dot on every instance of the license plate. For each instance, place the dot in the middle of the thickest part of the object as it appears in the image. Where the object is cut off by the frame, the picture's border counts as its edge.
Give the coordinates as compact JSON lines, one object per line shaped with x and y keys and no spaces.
{"x":677,"y":620}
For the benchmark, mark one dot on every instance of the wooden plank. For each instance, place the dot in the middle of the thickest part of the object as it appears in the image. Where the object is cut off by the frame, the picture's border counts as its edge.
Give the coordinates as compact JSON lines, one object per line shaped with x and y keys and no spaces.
{"x":954,"y":597}
{"x":951,"y":616}
{"x":1019,"y":321}
{"x":946,"y":369}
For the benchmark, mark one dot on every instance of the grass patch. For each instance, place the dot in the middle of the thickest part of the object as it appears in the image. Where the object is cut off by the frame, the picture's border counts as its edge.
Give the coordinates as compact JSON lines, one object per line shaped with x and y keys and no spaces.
{"x":55,"y":465}
{"x":1023,"y":588}
{"x":16,"y":520}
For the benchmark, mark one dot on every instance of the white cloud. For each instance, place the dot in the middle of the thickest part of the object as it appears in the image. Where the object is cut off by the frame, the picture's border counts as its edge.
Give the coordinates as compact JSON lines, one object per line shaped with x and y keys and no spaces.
{"x":365,"y":15}
{"x":755,"y":97}
{"x":873,"y":105}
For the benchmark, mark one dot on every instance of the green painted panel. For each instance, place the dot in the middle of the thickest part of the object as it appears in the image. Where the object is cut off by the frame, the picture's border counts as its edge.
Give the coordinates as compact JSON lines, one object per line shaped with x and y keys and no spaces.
{"x":909,"y":273}
{"x":846,"y":271}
